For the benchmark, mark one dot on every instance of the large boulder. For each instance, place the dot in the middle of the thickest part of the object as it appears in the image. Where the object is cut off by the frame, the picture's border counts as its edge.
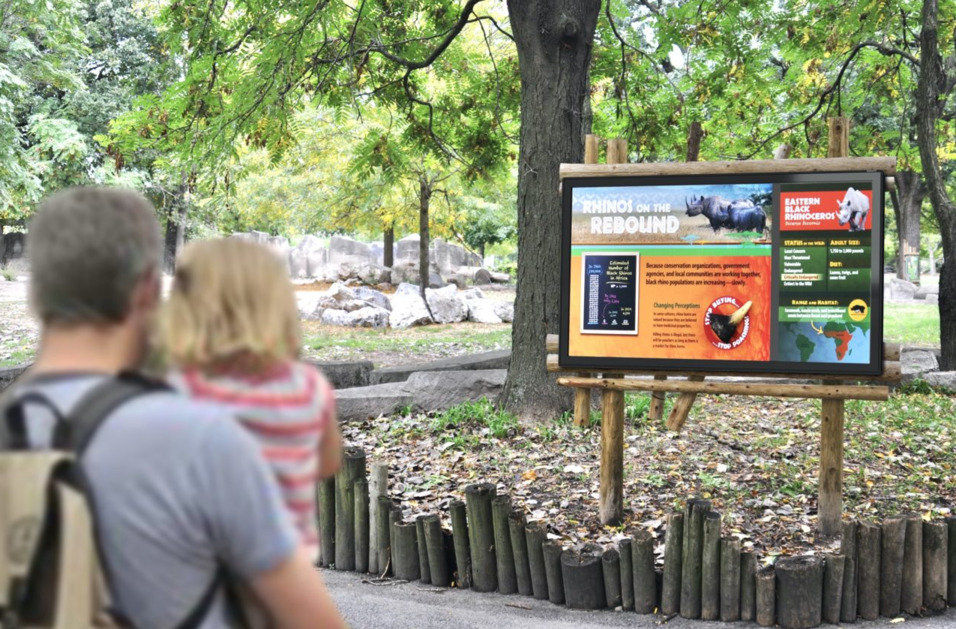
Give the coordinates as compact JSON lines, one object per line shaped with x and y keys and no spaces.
{"x":298,"y":264}
{"x":472,"y":293}
{"x":896,"y":289}
{"x":917,"y":362}
{"x":316,"y":257}
{"x":924,"y":291}
{"x":405,"y":272}
{"x":449,"y":257}
{"x":408,"y":308}
{"x":366,"y":317}
{"x":372,"y":297}
{"x":351,"y":259}
{"x":932,"y":299}
{"x":406,"y":250}
{"x":446,"y":305}
{"x":482,"y":311}
{"x":280,"y":245}
{"x":505,"y":311}
{"x":338,"y":297}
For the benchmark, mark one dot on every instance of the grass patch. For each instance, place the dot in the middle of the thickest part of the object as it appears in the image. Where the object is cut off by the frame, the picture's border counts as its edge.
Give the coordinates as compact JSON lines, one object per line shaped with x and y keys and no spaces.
{"x":481,"y":415}
{"x":911,"y":323}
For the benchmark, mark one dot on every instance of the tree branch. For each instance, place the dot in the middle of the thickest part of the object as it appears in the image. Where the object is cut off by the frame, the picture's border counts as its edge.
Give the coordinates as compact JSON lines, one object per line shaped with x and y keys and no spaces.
{"x":437,"y":52}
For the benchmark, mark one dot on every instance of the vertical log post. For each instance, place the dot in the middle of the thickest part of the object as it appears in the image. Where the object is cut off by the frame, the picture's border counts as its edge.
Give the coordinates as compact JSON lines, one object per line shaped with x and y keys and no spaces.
{"x":404,"y":548}
{"x":693,"y":551}
{"x":424,"y":569}
{"x":830,"y":489}
{"x":748,"y":586}
{"x":951,"y":561}
{"x":935,"y":580}
{"x":383,"y":532}
{"x":552,"y":552}
{"x":831,"y":467}
{"x":766,"y":597}
{"x":504,"y":554}
{"x":459,"y":528}
{"x":868,"y":570}
{"x":911,"y":594}
{"x":362,"y":527}
{"x":611,"y":566}
{"x":849,"y":552}
{"x":327,"y":522}
{"x":626,"y":552}
{"x":673,"y":545}
{"x":377,"y":486}
{"x":729,"y":579}
{"x":833,"y":588}
{"x":582,"y":396}
{"x":799,"y":591}
{"x":536,"y":534}
{"x":710,"y":568}
{"x":353,"y":468}
{"x":583,"y":577}
{"x":891,"y":566}
{"x":481,"y":537}
{"x":645,"y":580}
{"x":519,"y":547}
{"x":435,"y":549}
{"x":656,"y":412}
{"x":685,"y":401}
{"x":611,"y":504}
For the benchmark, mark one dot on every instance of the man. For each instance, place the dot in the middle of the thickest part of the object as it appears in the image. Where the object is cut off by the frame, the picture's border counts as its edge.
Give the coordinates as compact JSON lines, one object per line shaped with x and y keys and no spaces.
{"x":179,"y":491}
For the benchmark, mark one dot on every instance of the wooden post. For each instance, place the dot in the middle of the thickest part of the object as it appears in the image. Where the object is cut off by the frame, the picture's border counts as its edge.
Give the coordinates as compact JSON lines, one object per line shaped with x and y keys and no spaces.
{"x":831,"y":467}
{"x":377,"y":486}
{"x":848,"y":550}
{"x":710,"y":569}
{"x":729,"y":579}
{"x":459,"y":528}
{"x":833,"y":588}
{"x":799,"y":591}
{"x":383,"y":535}
{"x":673,"y":544}
{"x":582,"y":397}
{"x":951,"y":560}
{"x":911,"y":596}
{"x":536,"y":534}
{"x":656,"y":412}
{"x":507,"y":577}
{"x":766,"y":597}
{"x":891,"y":566}
{"x":868,"y":570}
{"x":405,"y":549}
{"x":748,"y":586}
{"x":839,"y":137}
{"x":935,"y":580}
{"x":611,"y":566}
{"x":626,"y":552}
{"x":645,"y":581}
{"x":552,"y":552}
{"x":695,"y":512}
{"x":583,"y":578}
{"x":612,"y":457}
{"x":617,"y":151}
{"x":327,"y":521}
{"x":435,"y":549}
{"x":424,"y":570}
{"x":678,"y":416}
{"x":481,"y":537}
{"x":362,"y":528}
{"x":519,"y":547}
{"x":353,"y":468}
{"x":830,"y":490}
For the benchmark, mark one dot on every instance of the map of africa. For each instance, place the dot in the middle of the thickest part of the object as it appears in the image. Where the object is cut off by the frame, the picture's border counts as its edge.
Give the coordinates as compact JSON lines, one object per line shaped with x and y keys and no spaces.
{"x":835,"y":341}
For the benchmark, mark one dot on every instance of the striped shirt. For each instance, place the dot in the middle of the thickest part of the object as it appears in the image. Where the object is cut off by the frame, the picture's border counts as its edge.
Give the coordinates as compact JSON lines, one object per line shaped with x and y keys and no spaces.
{"x":287,"y":411}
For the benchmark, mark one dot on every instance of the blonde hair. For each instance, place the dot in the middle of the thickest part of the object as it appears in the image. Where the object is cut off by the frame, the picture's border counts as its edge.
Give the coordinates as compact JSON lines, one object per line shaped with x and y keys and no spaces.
{"x":231,"y":304}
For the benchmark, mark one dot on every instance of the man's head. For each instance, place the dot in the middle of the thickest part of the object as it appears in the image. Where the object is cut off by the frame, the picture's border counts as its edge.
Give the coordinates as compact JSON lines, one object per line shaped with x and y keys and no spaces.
{"x":95,"y":257}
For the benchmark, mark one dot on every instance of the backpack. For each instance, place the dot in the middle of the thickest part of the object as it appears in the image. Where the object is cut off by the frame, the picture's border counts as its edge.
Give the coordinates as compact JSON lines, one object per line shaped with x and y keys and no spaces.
{"x":51,"y":576}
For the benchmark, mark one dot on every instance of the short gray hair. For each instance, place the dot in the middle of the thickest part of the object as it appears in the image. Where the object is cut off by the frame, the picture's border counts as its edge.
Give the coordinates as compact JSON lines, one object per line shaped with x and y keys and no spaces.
{"x":88,"y":249}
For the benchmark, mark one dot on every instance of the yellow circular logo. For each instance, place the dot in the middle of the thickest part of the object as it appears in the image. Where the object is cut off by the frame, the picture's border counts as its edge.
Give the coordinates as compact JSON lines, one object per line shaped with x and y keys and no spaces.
{"x":857,"y":310}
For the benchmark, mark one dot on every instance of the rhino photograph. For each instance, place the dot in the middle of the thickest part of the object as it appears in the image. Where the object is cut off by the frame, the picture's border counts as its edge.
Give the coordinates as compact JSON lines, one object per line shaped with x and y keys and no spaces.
{"x":854,"y":209}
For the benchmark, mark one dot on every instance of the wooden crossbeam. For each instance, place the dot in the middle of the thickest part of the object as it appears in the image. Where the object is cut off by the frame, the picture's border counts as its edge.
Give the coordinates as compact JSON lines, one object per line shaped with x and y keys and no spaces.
{"x":770,"y":389}
{"x":885,"y":164}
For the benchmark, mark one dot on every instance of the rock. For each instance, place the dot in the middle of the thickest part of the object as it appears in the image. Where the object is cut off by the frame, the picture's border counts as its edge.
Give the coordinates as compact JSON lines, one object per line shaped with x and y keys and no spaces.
{"x":367,"y":317}
{"x":260,"y":237}
{"x":373,"y":297}
{"x":472,"y":293}
{"x":896,"y":289}
{"x":435,"y":281}
{"x":308,"y":302}
{"x":924,"y":291}
{"x":482,"y":311}
{"x":446,"y":305}
{"x":426,"y":391}
{"x":450,"y":257}
{"x":482,"y":277}
{"x":498,"y":359}
{"x":408,"y":308}
{"x":13,"y":246}
{"x":940,"y":379}
{"x":345,"y":374}
{"x":406,"y":250}
{"x":915,"y":362}
{"x":932,"y":299}
{"x":505,"y":311}
{"x":316,"y":256}
{"x":280,"y":245}
{"x":377,"y":251}
{"x":341,"y":297}
{"x":298,"y":265}
{"x":408,"y":272}
{"x":9,"y":374}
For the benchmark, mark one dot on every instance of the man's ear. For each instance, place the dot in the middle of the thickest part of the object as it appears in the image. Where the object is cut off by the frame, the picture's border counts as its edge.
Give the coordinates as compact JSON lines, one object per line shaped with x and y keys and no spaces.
{"x":146,"y":296}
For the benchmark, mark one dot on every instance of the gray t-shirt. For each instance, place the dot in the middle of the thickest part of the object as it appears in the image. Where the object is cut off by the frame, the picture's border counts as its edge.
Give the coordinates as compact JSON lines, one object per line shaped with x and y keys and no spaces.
{"x":177,"y":485}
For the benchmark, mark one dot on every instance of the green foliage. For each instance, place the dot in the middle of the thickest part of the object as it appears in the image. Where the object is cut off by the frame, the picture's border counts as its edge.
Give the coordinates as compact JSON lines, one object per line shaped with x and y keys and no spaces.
{"x":469,"y":415}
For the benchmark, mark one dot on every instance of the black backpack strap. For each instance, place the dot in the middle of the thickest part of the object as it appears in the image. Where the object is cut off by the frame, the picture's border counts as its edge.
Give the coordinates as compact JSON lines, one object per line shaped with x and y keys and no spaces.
{"x":15,"y":434}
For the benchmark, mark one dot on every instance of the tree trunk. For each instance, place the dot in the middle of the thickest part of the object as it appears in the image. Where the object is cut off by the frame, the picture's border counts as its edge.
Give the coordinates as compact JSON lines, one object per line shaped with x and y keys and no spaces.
{"x":927,"y":102}
{"x":554,"y":39}
{"x":389,"y":246}
{"x":175,"y":225}
{"x":694,"y":135}
{"x":911,"y":194}
{"x":424,"y":201}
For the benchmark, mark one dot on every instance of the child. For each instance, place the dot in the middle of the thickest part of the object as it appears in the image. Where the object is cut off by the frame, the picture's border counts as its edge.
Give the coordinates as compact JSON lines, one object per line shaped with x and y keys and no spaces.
{"x":230,"y":332}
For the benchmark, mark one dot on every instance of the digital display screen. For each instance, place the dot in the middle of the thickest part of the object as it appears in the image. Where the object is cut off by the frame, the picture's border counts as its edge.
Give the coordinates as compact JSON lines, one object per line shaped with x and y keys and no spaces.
{"x":766,"y":272}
